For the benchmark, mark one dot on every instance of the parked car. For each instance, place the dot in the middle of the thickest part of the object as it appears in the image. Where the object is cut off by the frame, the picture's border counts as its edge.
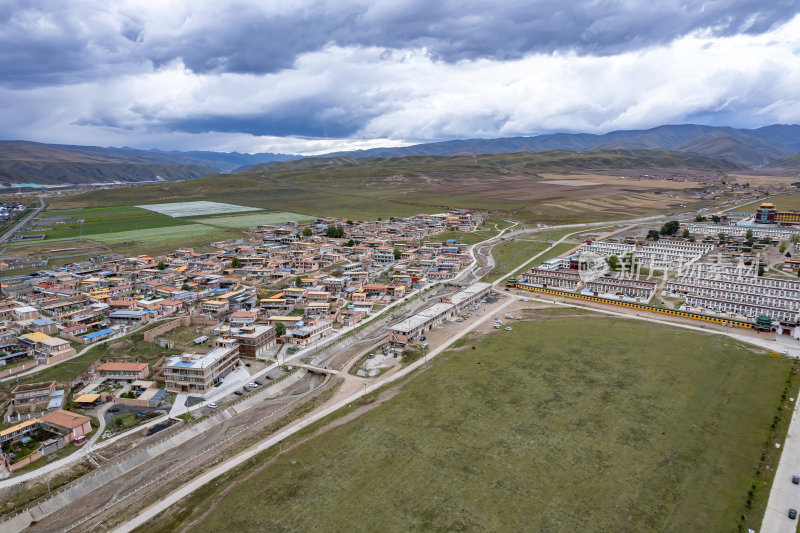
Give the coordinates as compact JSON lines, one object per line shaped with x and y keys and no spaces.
{"x":212,"y":405}
{"x":268,"y":377}
{"x":424,"y":345}
{"x":508,"y":328}
{"x":246,"y":388}
{"x":238,"y":392}
{"x":252,"y":385}
{"x":259,"y":382}
{"x":796,"y":480}
{"x":247,"y":364}
{"x":371,"y":356}
{"x":113,"y":409}
{"x":422,"y":338}
{"x":792,"y":514}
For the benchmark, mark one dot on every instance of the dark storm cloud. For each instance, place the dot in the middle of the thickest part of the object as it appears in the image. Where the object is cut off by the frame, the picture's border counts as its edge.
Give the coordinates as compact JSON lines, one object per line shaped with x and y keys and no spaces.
{"x":45,"y":42}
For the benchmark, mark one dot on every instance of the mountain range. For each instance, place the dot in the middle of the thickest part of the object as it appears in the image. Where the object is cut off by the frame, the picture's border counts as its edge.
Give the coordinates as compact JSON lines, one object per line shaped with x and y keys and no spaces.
{"x":774,"y":148}
{"x":58,"y":164}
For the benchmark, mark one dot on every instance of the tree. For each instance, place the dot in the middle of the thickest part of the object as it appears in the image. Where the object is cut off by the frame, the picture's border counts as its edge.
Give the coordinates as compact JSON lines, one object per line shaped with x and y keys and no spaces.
{"x":766,"y":240}
{"x":699,"y":218}
{"x":335,"y":232}
{"x":691,"y":238}
{"x":298,"y":281}
{"x":721,"y":237}
{"x":652,"y":235}
{"x":760,"y":270}
{"x":715,"y":219}
{"x":162,"y":265}
{"x":686,"y":233}
{"x":280,"y":329}
{"x":236,"y":263}
{"x":795,"y":238}
{"x":186,"y":287}
{"x":351,"y":242}
{"x":670,"y":228}
{"x":782,"y":247}
{"x":397,"y":253}
{"x":349,"y":222}
{"x":307,"y":232}
{"x":613,"y":262}
{"x":749,"y":234}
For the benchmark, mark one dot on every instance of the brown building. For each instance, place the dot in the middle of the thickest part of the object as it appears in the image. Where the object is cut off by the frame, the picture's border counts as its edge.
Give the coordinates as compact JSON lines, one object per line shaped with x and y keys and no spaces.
{"x":254,"y":340}
{"x":123,"y":371}
{"x":32,"y":393}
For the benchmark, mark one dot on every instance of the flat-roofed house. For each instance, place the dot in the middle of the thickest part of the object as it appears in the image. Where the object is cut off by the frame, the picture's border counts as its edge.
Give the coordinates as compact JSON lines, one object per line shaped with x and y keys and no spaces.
{"x":123,"y":371}
{"x":32,"y":393}
{"x":198,"y":373}
{"x":254,"y":340}
{"x":45,"y":348}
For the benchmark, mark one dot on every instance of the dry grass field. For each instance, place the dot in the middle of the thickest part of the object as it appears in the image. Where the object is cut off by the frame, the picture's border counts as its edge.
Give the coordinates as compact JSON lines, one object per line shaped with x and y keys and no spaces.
{"x":566,"y":423}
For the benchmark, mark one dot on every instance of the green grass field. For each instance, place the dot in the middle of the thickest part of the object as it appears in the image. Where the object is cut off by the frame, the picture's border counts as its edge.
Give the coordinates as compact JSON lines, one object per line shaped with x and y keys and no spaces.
{"x":509,"y":255}
{"x":249,"y":221}
{"x":564,"y":424}
{"x":102,"y":221}
{"x":163,"y":240}
{"x":462,"y":237}
{"x":789,"y":202}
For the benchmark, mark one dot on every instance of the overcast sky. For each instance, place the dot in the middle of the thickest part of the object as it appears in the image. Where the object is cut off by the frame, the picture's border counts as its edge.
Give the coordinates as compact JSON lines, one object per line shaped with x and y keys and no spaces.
{"x":305,"y":76}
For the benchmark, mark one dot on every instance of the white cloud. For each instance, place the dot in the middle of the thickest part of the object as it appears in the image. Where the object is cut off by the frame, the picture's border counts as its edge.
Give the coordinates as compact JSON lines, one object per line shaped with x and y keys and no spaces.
{"x":383,"y":97}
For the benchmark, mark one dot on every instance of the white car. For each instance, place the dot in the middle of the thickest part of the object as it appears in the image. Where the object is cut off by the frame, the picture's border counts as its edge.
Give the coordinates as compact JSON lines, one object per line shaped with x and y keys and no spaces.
{"x":212,"y":405}
{"x":252,"y":385}
{"x":508,"y":328}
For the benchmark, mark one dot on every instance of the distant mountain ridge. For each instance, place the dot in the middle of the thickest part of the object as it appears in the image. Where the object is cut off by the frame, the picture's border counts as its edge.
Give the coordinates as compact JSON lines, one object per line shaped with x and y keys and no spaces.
{"x":55,"y":164}
{"x":775,"y":147}
{"x":753,"y":148}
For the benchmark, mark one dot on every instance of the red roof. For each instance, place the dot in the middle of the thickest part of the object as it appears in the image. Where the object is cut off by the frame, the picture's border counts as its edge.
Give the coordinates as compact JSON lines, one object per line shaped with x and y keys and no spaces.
{"x":64,"y":419}
{"x":122,"y":367}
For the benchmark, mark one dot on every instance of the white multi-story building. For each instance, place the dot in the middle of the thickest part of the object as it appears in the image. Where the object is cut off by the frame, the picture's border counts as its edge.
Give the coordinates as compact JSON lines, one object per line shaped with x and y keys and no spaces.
{"x":559,"y":279}
{"x":741,"y":308}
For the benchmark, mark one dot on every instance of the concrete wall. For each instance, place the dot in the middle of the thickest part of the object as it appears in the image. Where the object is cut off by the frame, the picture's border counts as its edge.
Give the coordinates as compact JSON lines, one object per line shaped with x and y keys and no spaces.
{"x":183,"y":321}
{"x":17,"y":369}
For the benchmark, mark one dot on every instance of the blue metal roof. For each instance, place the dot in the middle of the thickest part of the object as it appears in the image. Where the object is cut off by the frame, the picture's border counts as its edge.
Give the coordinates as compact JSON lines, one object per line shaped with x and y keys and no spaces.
{"x":99,"y":333}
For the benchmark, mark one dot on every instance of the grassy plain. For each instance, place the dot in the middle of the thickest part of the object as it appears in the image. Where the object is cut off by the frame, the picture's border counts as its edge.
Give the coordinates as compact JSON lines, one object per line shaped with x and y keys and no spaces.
{"x":564,"y":424}
{"x":787,"y":202}
{"x":249,"y":221}
{"x":102,"y":221}
{"x":506,"y":184}
{"x":161,"y":240}
{"x":511,"y":254}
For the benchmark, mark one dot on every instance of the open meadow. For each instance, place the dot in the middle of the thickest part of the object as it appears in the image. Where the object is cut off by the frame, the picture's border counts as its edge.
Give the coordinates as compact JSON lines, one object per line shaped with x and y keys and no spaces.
{"x":65,"y":224}
{"x":570,"y":422}
{"x":528,"y":187}
{"x":249,"y":221}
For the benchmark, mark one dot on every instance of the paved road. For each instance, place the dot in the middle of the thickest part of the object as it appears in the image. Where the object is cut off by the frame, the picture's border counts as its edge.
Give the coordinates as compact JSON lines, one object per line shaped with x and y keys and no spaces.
{"x":7,"y":235}
{"x":784,"y":494}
